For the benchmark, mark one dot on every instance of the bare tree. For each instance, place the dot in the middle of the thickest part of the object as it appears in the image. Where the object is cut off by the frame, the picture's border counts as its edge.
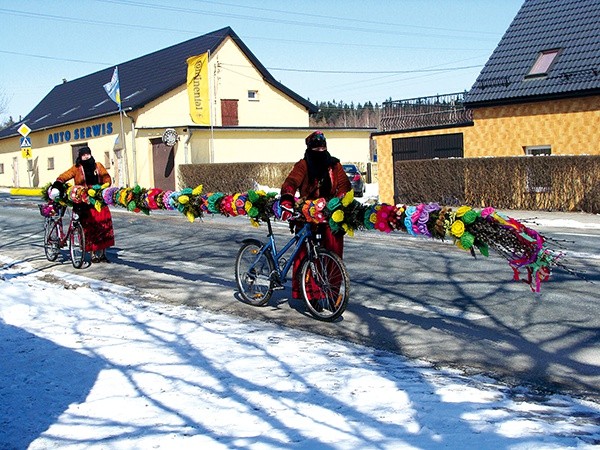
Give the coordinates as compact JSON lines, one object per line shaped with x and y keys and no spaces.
{"x":4,"y":122}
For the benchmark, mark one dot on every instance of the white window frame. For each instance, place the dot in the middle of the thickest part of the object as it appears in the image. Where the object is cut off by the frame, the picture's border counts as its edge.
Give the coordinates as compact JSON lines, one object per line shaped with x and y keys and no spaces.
{"x":533,"y":182}
{"x":253,"y":95}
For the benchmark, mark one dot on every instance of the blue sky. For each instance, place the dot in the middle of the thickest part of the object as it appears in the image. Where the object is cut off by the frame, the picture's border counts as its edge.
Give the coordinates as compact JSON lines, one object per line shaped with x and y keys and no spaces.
{"x":349,"y":50}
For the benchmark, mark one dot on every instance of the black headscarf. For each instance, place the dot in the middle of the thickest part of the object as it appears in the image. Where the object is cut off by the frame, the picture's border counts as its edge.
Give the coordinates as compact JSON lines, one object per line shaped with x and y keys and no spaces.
{"x":318,"y":169}
{"x":89,"y":166}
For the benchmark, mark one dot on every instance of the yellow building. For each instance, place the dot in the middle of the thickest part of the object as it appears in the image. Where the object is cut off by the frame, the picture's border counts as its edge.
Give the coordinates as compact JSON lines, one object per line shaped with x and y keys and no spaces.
{"x":206,"y":100}
{"x":538,"y":94}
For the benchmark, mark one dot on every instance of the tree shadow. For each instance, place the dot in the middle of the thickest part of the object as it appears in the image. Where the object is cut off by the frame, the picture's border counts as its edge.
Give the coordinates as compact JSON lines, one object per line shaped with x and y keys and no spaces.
{"x":39,"y":381}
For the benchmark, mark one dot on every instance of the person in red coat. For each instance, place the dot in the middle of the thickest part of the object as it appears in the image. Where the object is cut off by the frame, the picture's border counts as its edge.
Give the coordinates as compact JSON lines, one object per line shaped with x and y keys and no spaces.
{"x":97,"y":225}
{"x":316,"y":175}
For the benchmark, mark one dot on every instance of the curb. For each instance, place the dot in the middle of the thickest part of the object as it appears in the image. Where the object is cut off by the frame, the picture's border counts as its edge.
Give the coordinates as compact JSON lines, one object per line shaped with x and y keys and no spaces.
{"x":31,"y":192}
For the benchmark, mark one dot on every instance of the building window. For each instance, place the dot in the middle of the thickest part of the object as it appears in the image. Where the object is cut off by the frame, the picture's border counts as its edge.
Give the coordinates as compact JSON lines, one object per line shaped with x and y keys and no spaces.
{"x":538,"y":150}
{"x":253,"y":95}
{"x":1,"y":168}
{"x":539,"y":177}
{"x":543,"y":63}
{"x":107,"y":160}
{"x":50,"y":163}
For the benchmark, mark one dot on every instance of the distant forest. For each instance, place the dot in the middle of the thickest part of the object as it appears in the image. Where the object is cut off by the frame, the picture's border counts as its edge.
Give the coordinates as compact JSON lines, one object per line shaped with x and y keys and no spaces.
{"x":341,"y":114}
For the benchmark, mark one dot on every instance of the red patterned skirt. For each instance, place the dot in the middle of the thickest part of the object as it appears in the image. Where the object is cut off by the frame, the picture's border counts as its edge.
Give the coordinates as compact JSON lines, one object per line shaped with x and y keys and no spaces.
{"x":98,"y":228}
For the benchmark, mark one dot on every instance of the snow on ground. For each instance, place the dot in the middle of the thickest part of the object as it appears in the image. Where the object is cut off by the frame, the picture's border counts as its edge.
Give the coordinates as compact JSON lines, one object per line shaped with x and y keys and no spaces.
{"x":85,"y":366}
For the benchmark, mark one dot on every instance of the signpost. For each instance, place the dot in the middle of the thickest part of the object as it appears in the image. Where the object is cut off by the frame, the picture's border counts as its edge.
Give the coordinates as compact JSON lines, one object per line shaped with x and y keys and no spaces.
{"x":24,"y":131}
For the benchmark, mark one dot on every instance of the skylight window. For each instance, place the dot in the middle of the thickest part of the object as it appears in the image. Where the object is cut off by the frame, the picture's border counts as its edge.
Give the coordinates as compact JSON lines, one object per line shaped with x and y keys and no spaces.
{"x":543,"y":63}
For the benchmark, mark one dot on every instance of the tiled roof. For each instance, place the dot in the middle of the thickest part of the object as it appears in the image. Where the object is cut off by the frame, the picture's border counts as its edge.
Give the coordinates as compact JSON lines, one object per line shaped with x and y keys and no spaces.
{"x":141,"y":80}
{"x":573,"y":26}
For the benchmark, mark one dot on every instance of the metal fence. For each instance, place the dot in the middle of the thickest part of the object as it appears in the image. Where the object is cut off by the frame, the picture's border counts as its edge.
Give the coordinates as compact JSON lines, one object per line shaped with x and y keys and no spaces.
{"x":425,"y":112}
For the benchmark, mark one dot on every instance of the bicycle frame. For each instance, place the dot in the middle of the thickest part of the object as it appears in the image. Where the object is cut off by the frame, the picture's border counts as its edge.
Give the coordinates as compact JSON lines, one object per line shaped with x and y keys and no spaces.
{"x":299,"y":238}
{"x":62,"y":235}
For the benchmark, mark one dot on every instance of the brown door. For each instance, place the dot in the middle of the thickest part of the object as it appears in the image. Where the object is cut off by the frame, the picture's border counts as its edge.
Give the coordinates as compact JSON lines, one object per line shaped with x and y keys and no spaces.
{"x":75,"y":150}
{"x":229,"y":113}
{"x":163,"y":157}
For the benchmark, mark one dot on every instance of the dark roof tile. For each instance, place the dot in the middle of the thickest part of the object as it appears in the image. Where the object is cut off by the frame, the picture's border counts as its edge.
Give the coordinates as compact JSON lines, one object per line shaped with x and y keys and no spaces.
{"x":571,"y":25}
{"x":142,"y":80}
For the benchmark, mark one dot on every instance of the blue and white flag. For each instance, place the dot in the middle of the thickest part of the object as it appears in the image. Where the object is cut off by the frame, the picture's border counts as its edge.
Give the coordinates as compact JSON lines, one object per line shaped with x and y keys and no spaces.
{"x":112,"y":88}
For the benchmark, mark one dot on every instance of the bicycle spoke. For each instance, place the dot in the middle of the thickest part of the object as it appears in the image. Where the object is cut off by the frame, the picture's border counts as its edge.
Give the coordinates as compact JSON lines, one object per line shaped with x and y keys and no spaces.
{"x":253,"y":271}
{"x":325,"y":286}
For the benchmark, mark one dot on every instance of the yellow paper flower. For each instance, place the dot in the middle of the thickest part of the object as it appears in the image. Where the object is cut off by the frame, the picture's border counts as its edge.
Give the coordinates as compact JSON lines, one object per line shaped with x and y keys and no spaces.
{"x":190,"y":216}
{"x":348,"y":230}
{"x":122,"y":196}
{"x":254,"y":223}
{"x":183,"y":199}
{"x":462,"y":210}
{"x":261,"y":193}
{"x":457,"y":228}
{"x":338,"y":216}
{"x":247,"y":206}
{"x":91,"y":192}
{"x":197,"y":190}
{"x":373,"y":218}
{"x":348,"y":198}
{"x":98,"y":206}
{"x":105,"y":185}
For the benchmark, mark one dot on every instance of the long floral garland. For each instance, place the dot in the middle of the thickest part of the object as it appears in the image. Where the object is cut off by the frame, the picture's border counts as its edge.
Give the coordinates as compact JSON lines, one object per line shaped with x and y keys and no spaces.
{"x":523,"y":247}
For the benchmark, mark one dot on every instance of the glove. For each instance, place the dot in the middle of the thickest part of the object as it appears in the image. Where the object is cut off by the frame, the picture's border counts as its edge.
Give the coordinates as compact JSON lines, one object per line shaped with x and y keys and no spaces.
{"x":56,"y":190}
{"x":287,"y":210}
{"x":54,"y":194}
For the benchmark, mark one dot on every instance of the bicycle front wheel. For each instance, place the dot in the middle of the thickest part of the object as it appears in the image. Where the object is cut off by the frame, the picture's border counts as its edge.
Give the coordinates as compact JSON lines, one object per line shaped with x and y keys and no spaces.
{"x":253,"y":270}
{"x":77,"y":245}
{"x":325,"y":285}
{"x":51,"y":240}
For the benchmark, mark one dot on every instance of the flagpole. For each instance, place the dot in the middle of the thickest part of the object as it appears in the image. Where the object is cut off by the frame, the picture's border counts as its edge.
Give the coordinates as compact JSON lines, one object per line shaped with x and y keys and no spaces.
{"x":210,"y":112}
{"x":113,"y":90}
{"x":124,"y":147}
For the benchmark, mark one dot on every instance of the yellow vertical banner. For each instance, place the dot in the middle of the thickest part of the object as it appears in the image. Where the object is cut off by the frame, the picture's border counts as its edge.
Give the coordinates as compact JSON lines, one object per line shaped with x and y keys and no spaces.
{"x":197,"y":87}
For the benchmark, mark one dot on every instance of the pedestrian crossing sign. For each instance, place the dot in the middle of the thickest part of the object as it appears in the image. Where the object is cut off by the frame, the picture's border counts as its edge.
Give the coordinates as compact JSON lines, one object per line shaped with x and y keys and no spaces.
{"x":26,"y":147}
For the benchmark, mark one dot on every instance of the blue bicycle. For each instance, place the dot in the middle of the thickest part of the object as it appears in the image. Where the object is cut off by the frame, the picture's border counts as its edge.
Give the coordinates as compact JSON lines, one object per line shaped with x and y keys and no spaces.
{"x":261,"y":269}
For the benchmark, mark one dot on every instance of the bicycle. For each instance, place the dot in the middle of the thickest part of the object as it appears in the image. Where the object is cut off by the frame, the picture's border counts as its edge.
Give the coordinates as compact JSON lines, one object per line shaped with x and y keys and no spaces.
{"x":56,"y":238}
{"x":261,"y":269}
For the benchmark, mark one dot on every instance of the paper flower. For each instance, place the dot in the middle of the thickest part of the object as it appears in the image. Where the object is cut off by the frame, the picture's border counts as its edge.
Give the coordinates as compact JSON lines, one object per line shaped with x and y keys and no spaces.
{"x":457,"y":228}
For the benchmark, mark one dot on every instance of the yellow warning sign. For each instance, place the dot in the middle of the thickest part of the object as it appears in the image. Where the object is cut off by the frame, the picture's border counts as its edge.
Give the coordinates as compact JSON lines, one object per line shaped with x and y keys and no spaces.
{"x":26,"y":152}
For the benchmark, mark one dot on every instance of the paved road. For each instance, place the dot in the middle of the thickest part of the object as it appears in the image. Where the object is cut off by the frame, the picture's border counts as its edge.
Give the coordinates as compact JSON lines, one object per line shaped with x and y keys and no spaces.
{"x":416,"y":297}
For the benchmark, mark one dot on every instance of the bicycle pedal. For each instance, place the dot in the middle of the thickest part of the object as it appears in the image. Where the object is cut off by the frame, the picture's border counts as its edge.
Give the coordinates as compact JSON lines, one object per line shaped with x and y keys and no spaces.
{"x":278,"y":287}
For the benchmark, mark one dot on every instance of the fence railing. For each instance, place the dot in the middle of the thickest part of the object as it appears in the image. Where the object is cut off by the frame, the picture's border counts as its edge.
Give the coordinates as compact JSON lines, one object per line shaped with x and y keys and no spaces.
{"x":425,"y":112}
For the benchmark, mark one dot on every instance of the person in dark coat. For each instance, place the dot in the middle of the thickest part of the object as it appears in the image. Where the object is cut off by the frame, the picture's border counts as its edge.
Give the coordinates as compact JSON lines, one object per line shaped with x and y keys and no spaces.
{"x":316,"y":175}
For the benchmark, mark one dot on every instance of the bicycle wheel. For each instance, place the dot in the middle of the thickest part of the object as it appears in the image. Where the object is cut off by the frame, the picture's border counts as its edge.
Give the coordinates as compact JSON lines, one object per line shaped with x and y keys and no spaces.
{"x":51,"y":240}
{"x":77,"y":245}
{"x":253,"y":274}
{"x":325,"y":285}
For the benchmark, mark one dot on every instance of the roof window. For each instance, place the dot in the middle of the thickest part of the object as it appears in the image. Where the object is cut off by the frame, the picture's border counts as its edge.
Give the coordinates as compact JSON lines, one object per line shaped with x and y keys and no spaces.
{"x":543,"y":62}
